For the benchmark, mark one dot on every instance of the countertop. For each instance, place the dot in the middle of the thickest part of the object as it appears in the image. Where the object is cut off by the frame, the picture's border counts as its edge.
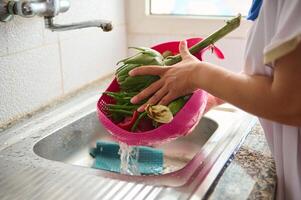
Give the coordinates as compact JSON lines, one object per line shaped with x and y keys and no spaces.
{"x":249,"y":174}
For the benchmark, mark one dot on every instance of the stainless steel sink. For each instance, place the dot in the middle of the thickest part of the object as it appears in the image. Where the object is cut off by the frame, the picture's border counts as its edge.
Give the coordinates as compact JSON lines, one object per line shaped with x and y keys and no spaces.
{"x":184,"y":158}
{"x":71,"y":144}
{"x":46,"y":156}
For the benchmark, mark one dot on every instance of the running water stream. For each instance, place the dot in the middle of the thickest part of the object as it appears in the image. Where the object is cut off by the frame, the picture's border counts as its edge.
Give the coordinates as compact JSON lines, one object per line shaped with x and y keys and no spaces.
{"x":129,"y":159}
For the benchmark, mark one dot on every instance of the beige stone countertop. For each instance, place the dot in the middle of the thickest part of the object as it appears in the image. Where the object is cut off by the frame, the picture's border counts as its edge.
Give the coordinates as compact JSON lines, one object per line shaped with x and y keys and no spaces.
{"x":250,"y":172}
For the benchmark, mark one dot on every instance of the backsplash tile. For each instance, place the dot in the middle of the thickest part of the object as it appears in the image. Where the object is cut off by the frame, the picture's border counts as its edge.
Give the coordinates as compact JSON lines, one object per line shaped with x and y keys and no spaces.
{"x":24,"y":33}
{"x":91,"y":56}
{"x":36,"y":64}
{"x":94,"y":10}
{"x":3,"y":40}
{"x":29,"y":80}
{"x":49,"y":36}
{"x":114,"y":10}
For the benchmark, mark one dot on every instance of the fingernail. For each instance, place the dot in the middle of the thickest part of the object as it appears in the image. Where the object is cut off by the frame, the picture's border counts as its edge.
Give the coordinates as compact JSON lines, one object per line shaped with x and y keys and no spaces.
{"x":134,"y":100}
{"x":131,"y":73}
{"x":140,"y":109}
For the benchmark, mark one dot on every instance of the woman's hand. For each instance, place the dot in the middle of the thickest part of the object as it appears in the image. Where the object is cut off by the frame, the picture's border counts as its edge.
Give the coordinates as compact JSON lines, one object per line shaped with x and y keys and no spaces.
{"x":175,"y":81}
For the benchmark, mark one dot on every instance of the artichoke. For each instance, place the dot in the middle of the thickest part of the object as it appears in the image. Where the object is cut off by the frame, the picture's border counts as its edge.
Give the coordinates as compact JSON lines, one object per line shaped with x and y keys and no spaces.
{"x":145,"y":56}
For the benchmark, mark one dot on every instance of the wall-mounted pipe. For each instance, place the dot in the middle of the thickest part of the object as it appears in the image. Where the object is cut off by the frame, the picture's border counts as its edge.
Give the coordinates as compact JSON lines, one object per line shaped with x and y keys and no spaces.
{"x":47,"y":9}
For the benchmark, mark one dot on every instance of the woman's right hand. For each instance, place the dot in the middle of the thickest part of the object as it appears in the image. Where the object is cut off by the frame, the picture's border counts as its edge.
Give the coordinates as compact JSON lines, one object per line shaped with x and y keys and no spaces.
{"x":175,"y":81}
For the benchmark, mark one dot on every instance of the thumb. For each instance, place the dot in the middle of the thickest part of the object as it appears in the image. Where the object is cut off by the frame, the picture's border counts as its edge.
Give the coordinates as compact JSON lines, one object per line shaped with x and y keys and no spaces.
{"x":184,"y":51}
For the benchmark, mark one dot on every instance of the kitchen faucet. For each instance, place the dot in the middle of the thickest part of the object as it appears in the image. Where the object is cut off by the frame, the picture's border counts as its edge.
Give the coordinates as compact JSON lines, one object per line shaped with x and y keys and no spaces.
{"x":47,"y":9}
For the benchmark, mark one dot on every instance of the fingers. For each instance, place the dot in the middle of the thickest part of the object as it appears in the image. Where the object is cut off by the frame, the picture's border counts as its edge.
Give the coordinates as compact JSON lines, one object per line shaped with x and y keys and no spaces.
{"x":184,"y":51}
{"x":167,"y":99}
{"x":142,"y":108}
{"x":153,"y":101}
{"x":157,"y":96}
{"x":148,"y":70}
{"x":147,"y":92}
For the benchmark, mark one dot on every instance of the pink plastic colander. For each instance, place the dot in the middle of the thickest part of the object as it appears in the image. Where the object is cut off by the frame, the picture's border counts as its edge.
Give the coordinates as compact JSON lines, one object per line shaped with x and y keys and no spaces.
{"x":182,"y":124}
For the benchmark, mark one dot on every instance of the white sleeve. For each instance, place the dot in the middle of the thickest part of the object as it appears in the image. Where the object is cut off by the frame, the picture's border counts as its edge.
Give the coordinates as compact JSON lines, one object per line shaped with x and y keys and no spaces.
{"x":288,"y":30}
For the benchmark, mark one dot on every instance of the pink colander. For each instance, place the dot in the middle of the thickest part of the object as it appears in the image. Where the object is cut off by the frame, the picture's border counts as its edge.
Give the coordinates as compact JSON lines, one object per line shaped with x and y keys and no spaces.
{"x":182,"y":124}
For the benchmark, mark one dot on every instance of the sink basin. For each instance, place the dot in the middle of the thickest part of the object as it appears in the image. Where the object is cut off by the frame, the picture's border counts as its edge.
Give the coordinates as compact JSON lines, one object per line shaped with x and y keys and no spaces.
{"x":71,"y":144}
{"x":186,"y":159}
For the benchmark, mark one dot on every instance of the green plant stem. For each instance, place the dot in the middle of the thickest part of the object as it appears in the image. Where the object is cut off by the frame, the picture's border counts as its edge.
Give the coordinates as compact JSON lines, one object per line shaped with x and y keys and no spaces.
{"x":134,"y":127}
{"x":125,"y":107}
{"x":229,"y":27}
{"x":125,"y":112}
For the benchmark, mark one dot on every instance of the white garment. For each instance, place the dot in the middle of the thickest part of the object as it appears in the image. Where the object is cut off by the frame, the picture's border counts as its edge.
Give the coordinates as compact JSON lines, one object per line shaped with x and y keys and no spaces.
{"x":276,"y":32}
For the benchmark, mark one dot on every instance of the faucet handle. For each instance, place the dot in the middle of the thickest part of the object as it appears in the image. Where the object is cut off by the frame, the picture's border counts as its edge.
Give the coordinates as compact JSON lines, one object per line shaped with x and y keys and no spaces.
{"x":47,"y":8}
{"x":5,"y":15}
{"x":30,"y":8}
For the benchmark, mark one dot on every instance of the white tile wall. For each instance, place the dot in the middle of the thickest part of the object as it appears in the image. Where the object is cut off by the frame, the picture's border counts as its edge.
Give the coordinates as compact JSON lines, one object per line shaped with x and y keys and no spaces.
{"x":103,"y":50}
{"x":28,"y":80}
{"x":95,"y":9}
{"x":37,"y":65}
{"x":50,"y":37}
{"x":113,"y":10}
{"x":23,"y":34}
{"x":3,"y":40}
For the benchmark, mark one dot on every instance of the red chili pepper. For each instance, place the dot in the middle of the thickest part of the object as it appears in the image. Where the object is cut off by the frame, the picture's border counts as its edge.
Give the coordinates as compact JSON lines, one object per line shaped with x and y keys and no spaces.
{"x":127,"y":124}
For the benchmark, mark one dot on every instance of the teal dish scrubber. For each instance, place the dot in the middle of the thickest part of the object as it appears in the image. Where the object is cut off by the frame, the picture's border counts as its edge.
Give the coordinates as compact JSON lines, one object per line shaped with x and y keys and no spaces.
{"x":106,"y":154}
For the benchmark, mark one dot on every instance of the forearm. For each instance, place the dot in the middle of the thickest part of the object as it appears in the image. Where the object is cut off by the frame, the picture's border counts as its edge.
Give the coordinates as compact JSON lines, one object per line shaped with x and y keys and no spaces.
{"x":254,"y":94}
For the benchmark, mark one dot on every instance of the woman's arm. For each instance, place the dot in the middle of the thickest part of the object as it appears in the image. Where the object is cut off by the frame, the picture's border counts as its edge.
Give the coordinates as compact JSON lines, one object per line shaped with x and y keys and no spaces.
{"x":276,"y":98}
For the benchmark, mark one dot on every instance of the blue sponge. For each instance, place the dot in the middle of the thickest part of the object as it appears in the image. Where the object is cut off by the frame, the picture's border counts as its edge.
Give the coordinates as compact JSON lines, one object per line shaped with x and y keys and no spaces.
{"x":106,"y":156}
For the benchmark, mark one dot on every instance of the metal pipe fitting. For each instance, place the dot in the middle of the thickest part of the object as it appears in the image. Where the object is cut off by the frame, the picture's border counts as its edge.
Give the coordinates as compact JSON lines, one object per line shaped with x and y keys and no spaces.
{"x":47,"y":9}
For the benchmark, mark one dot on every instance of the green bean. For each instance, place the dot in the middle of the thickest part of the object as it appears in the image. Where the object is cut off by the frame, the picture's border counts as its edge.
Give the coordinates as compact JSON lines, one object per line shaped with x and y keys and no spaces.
{"x":121,"y":111}
{"x":141,"y":116}
{"x":126,"y":107}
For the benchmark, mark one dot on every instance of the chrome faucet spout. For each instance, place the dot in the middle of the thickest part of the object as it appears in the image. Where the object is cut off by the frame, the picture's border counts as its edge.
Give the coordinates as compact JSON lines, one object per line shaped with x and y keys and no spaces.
{"x":105,"y":25}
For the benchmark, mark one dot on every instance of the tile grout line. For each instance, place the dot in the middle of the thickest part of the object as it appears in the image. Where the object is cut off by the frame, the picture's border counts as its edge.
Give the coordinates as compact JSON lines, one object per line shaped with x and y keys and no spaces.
{"x":61,"y":66}
{"x":57,"y":42}
{"x":29,"y":49}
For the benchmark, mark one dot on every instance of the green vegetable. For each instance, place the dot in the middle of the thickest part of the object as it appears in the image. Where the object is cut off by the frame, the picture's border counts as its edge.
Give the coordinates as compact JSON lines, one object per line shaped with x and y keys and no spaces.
{"x":141,"y":116}
{"x":176,"y":105}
